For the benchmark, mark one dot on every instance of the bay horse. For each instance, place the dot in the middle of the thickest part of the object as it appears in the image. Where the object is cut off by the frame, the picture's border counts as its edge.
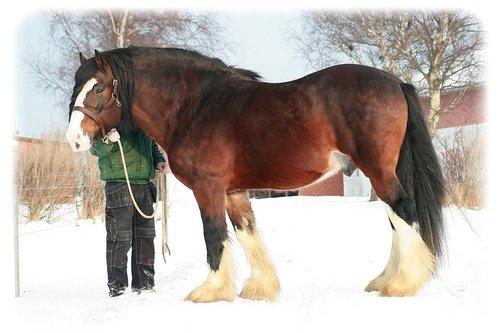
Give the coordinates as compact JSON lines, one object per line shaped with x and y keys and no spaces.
{"x":225,"y":132}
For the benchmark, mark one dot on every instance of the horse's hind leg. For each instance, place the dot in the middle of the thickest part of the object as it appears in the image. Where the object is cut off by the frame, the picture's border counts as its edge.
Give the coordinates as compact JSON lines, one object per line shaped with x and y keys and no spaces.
{"x":411,"y":263}
{"x":219,"y":285}
{"x":263,"y":283}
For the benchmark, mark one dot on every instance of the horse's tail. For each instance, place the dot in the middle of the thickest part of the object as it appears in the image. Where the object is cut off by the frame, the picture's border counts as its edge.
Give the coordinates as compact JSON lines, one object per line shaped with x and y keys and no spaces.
{"x":420,"y":175}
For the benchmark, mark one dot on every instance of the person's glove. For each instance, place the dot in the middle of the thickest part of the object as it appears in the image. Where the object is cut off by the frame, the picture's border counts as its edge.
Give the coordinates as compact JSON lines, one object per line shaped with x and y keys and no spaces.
{"x":113,"y":135}
{"x":163,"y":167}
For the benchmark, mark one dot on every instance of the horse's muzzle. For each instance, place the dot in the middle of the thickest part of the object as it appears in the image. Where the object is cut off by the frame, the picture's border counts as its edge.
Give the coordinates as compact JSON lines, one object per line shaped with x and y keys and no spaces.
{"x":76,"y":137}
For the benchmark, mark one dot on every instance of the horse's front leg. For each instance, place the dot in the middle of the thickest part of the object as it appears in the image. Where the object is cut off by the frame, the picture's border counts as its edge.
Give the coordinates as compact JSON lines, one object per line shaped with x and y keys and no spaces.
{"x":219,"y":285}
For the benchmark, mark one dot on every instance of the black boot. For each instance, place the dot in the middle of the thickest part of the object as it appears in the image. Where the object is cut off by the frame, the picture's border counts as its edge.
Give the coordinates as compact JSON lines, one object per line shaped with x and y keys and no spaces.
{"x":147,"y":288}
{"x":116,"y":289}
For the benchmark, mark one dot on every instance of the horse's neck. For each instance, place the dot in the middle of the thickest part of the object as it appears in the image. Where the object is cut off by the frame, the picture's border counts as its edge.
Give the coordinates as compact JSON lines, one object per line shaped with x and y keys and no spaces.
{"x":156,"y":112}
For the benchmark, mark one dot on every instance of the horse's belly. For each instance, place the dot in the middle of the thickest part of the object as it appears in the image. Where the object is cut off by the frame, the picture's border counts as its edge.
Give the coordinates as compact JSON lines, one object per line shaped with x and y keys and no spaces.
{"x":295,"y":174}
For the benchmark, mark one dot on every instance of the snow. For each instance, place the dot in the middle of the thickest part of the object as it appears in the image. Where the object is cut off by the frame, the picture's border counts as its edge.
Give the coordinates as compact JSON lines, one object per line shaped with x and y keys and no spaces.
{"x":326,"y":249}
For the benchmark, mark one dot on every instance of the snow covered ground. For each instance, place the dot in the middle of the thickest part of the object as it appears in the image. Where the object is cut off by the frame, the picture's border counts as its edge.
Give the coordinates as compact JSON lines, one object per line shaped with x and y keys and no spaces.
{"x":326,"y":249}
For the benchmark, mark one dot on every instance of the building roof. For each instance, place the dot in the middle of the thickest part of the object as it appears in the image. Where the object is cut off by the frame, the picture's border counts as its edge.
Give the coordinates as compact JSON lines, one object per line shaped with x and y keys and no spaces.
{"x":470,"y":111}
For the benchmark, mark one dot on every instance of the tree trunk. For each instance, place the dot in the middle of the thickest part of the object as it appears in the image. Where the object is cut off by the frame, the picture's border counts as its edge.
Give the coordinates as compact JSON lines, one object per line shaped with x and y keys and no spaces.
{"x":435,"y":111}
{"x":120,"y":38}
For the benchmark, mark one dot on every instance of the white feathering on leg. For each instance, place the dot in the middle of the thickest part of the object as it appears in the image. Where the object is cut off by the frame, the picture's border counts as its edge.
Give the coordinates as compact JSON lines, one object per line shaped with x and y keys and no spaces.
{"x":416,"y":262}
{"x":263,"y":283}
{"x":219,"y":285}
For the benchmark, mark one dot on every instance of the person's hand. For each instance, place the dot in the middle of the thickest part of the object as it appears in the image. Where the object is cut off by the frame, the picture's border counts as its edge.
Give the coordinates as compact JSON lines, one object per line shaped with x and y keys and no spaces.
{"x":113,"y":135}
{"x":163,"y":167}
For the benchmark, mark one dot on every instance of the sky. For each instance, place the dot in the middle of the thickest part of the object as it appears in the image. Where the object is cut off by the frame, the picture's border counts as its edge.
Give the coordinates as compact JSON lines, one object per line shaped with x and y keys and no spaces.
{"x":260,"y":41}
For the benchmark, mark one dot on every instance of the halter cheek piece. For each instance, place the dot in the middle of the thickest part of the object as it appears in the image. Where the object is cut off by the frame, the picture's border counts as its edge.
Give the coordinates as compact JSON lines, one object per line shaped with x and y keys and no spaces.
{"x":95,"y":116}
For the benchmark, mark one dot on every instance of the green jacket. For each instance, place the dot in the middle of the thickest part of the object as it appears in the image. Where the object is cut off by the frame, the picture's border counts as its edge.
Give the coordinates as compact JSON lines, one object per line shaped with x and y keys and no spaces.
{"x":141,"y":156}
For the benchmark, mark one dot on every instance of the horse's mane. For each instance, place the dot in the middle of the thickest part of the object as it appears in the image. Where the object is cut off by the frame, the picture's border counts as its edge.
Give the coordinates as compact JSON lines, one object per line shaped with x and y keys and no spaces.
{"x":191,"y":57}
{"x":122,"y":65}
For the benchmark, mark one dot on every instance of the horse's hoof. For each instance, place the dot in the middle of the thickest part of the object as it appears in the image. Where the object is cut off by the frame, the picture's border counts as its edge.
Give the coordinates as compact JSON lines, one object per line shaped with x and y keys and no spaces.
{"x":261,"y":290}
{"x":399,"y":286}
{"x":371,"y":287}
{"x":208,"y":294}
{"x":376,"y":284}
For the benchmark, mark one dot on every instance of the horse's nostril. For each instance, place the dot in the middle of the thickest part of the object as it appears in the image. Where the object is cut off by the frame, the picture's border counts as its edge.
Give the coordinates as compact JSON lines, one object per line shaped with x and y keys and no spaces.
{"x":77,"y":145}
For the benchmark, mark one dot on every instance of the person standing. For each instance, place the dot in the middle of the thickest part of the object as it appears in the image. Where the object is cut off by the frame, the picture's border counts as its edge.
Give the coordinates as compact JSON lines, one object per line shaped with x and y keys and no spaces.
{"x":125,"y":227}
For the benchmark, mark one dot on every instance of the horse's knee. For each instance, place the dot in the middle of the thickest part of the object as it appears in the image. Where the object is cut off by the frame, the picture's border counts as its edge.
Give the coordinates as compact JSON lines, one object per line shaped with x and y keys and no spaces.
{"x":210,"y":196}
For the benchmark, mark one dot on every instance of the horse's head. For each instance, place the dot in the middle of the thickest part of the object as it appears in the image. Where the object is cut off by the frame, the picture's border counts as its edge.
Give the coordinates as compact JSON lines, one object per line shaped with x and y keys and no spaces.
{"x":95,"y":107}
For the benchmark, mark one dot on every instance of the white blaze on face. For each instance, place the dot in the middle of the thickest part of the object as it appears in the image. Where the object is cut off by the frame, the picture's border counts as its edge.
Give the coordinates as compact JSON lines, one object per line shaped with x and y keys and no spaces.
{"x":77,"y":138}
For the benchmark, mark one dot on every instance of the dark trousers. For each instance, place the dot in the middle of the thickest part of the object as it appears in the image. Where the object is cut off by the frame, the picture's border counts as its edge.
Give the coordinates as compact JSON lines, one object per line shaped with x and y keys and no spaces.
{"x":126,"y":228}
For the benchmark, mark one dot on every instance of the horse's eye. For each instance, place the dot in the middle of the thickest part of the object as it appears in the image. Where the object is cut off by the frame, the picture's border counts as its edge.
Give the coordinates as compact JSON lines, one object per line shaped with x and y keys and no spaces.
{"x":98,"y":91}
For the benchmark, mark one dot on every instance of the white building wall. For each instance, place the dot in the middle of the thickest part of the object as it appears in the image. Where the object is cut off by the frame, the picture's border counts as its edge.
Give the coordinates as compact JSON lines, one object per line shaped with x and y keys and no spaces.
{"x":357,"y":185}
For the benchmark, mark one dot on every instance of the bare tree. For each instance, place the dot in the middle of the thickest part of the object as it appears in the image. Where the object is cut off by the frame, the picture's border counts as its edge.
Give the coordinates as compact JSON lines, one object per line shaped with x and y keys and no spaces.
{"x":435,"y":50}
{"x":73,"y":32}
{"x":463,"y":158}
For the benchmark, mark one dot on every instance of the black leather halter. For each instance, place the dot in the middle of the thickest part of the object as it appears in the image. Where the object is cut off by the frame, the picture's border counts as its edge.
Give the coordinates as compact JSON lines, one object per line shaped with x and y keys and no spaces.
{"x":96,"y":113}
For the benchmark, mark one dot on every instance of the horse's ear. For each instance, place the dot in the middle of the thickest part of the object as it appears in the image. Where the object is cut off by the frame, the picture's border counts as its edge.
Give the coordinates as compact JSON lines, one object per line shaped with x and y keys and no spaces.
{"x":101,"y":63}
{"x":82,"y":58}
